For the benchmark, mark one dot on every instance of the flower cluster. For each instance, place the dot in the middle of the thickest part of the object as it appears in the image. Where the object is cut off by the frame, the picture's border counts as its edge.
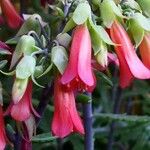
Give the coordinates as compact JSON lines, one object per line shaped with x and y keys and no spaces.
{"x":91,"y":47}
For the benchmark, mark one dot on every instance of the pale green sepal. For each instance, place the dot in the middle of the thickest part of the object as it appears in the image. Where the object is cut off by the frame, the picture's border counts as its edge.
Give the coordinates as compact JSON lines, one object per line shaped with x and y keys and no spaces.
{"x":35,"y":82}
{"x":59,"y":58}
{"x":8,"y":73}
{"x":25,"y":67}
{"x":81,"y":13}
{"x":70,"y":24}
{"x":46,"y":71}
{"x":18,"y":90}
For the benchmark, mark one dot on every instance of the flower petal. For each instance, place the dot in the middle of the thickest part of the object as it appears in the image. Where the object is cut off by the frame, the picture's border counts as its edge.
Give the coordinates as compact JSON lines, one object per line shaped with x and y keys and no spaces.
{"x":84,"y":58}
{"x":22,"y":111}
{"x":12,"y":17}
{"x":145,"y":50}
{"x":127,"y":51}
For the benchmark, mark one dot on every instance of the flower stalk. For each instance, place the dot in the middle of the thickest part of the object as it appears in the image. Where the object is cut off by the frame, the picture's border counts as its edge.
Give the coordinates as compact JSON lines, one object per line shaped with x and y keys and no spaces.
{"x":87,"y":115}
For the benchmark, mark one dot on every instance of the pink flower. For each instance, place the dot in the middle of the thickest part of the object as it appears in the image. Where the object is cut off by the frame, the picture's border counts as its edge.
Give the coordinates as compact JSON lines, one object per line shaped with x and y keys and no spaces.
{"x":130,"y":65}
{"x":78,"y":74}
{"x":145,"y":50}
{"x":3,"y":137}
{"x":12,"y":17}
{"x":23,"y":109}
{"x":66,"y":118}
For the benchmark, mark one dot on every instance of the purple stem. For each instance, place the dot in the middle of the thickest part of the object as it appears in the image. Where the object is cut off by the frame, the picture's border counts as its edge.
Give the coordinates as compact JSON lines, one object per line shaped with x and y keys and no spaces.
{"x":22,"y":6}
{"x":87,"y":115}
{"x":44,"y":100}
{"x":117,"y":102}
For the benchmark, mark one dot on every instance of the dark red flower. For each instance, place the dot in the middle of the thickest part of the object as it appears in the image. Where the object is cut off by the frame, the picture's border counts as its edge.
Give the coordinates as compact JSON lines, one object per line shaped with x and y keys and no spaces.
{"x":12,"y":17}
{"x":66,"y":118}
{"x":78,"y":74}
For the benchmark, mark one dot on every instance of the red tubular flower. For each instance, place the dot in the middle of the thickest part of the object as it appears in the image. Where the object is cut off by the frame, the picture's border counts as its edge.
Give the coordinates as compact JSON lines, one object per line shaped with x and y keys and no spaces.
{"x":2,"y":131}
{"x":23,"y":109}
{"x":145,"y":50}
{"x":66,"y":119}
{"x":130,"y":65}
{"x":78,"y":73}
{"x":12,"y":17}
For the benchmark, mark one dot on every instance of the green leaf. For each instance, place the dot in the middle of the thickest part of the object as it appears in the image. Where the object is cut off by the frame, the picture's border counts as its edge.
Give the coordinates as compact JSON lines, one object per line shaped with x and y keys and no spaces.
{"x":103,"y":35}
{"x":145,"y":5}
{"x":25,"y":46}
{"x":115,"y":9}
{"x":132,"y":4}
{"x":43,"y":138}
{"x":60,"y":58}
{"x":64,"y":39}
{"x":35,"y":82}
{"x":13,"y":40}
{"x":46,"y":71}
{"x":107,"y":13}
{"x":70,"y":24}
{"x":98,"y":35}
{"x":8,"y":73}
{"x":10,"y":128}
{"x":57,"y":9}
{"x":81,"y":13}
{"x":123,"y":117}
{"x":95,"y":42}
{"x":19,"y":88}
{"x":106,"y":79}
{"x":25,"y":67}
{"x":31,"y":24}
{"x":102,"y":55}
{"x":83,"y":98}
{"x":4,"y":52}
{"x":142,"y":21}
{"x":38,"y":70}
{"x":136,"y":31}
{"x":3,"y":63}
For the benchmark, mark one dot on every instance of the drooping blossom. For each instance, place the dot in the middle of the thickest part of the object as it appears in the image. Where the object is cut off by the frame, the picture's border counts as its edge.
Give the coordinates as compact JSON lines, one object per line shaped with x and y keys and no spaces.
{"x":23,"y":109}
{"x":66,"y":118}
{"x":78,"y":73}
{"x":145,"y":50}
{"x":130,"y":65}
{"x":11,"y":15}
{"x":3,"y":138}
